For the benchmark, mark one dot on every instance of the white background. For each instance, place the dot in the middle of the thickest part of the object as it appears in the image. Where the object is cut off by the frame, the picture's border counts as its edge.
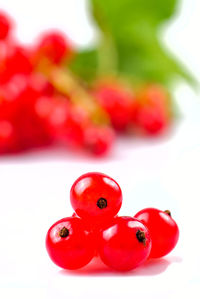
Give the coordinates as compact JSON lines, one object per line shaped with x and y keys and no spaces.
{"x":164,"y":173}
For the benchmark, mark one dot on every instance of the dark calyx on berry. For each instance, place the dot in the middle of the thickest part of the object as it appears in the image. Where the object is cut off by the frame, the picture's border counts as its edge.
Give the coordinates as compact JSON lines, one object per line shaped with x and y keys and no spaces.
{"x":101,"y":203}
{"x":168,"y":212}
{"x":64,"y":232}
{"x":141,"y":236}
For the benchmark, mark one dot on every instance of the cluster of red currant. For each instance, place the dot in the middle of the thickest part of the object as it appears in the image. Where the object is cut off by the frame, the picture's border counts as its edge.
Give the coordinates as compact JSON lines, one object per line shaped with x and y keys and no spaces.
{"x":43,"y":103}
{"x":123,"y":243}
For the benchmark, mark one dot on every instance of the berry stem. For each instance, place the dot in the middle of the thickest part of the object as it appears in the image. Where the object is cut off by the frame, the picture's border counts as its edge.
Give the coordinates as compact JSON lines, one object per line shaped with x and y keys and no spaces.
{"x":168,"y":212}
{"x":65,"y":82}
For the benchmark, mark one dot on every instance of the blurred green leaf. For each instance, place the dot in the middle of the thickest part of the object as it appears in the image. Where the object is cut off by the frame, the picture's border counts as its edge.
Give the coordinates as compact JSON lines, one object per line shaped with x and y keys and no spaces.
{"x":130,"y":43}
{"x":85,"y":64}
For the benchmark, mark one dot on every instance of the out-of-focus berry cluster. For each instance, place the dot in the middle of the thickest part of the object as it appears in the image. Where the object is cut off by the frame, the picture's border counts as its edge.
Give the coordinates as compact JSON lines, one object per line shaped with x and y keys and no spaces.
{"x":42,"y":103}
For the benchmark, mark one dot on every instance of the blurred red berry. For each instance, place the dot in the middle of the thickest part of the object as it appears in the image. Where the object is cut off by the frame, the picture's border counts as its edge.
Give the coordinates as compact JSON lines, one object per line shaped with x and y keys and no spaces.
{"x":74,"y":130}
{"x":44,"y":106}
{"x":16,"y":61}
{"x":70,"y":123}
{"x":54,"y":46}
{"x":98,"y":139}
{"x":7,"y":136}
{"x":64,"y":122}
{"x":42,"y":85}
{"x":5,"y":25}
{"x":31,"y":128}
{"x":3,"y":56}
{"x":117,"y":101}
{"x":155,"y":94}
{"x":23,"y":103}
{"x":151,"y":119}
{"x":57,"y":116}
{"x":152,"y":111}
{"x":9,"y":97}
{"x":3,"y":51}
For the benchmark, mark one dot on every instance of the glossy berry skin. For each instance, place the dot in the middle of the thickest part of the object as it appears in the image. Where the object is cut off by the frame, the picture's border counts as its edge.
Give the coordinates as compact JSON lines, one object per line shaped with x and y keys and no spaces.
{"x":5,"y":25}
{"x":125,"y":244}
{"x":69,"y":244}
{"x":96,"y":196}
{"x":162,"y":228}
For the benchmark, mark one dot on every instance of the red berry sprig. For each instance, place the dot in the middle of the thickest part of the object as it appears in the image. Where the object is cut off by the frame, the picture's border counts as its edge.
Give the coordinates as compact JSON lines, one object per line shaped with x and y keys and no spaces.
{"x":43,"y":103}
{"x":123,"y":243}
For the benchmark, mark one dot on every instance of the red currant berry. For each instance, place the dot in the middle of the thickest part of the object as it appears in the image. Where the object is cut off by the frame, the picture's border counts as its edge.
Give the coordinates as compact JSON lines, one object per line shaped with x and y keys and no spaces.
{"x":69,"y":244}
{"x":155,"y":95}
{"x":125,"y":244}
{"x":8,"y":103}
{"x":117,"y":102}
{"x":7,"y":136}
{"x":54,"y":46}
{"x":73,"y":129}
{"x":162,"y":228}
{"x":5,"y":25}
{"x":98,"y":140}
{"x":44,"y":106}
{"x":96,"y":196}
{"x":66,"y":123}
{"x":30,"y":125}
{"x":18,"y":60}
{"x":151,"y":120}
{"x":40,"y":83}
{"x":152,"y":113}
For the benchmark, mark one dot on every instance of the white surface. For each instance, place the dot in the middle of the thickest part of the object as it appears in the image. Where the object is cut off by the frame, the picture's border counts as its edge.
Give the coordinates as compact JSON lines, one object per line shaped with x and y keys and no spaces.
{"x":34,"y":189}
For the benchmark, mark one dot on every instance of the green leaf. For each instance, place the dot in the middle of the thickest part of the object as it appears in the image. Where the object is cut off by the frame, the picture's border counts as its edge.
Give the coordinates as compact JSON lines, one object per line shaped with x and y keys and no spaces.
{"x":114,"y":15}
{"x":85,"y":64}
{"x":130,"y":43}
